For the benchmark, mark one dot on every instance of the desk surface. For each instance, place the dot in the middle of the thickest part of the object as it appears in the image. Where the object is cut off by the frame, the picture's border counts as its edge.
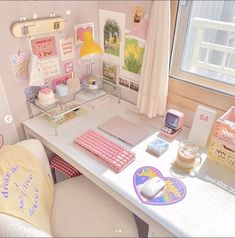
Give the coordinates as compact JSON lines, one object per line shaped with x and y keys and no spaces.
{"x":209,"y":206}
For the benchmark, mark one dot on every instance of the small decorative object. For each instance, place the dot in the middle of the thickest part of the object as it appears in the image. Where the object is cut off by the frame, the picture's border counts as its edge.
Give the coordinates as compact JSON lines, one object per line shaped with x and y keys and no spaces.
{"x":61,"y":90}
{"x":68,"y":67}
{"x":173,"y":123}
{"x":202,"y":125}
{"x":46,"y":96}
{"x":19,"y":65}
{"x":138,"y":14}
{"x":34,"y":27}
{"x":88,"y":51}
{"x":222,"y":145}
{"x":157,"y":146}
{"x":73,"y":84}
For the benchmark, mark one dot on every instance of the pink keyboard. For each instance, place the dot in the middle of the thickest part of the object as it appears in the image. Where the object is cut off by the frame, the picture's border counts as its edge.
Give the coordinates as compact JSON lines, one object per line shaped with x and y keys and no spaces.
{"x":112,"y":154}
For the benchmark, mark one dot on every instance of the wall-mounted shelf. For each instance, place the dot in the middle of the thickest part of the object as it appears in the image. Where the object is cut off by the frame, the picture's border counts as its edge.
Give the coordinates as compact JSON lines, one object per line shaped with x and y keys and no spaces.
{"x":37,"y":26}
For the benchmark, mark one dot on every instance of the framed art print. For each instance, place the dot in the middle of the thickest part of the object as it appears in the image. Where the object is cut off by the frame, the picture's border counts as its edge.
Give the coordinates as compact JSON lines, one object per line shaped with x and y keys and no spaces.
{"x":44,"y":47}
{"x":110,"y":72}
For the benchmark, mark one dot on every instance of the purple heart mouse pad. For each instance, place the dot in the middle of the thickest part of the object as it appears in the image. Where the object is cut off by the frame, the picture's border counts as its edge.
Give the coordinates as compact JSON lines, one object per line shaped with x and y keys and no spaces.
{"x":173,"y":192}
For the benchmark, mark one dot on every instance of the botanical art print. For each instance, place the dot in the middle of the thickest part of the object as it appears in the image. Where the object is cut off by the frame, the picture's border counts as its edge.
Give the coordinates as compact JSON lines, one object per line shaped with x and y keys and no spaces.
{"x":110,"y":72}
{"x":112,"y":34}
{"x":133,"y":55}
{"x":112,"y":37}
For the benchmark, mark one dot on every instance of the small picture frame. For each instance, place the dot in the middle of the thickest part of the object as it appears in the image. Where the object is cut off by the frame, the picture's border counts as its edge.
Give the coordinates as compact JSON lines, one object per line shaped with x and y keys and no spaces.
{"x":137,"y":15}
{"x":134,"y":86}
{"x":124,"y":82}
{"x":110,"y":72}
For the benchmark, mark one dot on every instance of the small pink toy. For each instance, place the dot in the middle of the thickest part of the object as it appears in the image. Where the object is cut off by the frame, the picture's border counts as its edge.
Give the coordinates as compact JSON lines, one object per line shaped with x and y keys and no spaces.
{"x":173,"y":123}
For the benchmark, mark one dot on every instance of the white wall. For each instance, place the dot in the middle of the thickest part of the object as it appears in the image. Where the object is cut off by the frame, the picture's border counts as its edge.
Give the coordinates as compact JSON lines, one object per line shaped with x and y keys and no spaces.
{"x":8,"y":130}
{"x":10,"y":11}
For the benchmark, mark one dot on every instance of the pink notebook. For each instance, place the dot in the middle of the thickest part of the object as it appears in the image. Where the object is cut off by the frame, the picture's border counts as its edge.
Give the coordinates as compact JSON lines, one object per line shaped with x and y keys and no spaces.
{"x":125,"y":130}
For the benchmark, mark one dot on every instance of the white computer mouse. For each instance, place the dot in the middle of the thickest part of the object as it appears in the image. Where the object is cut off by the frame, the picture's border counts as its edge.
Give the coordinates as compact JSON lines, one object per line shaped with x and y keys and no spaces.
{"x":152,"y":186}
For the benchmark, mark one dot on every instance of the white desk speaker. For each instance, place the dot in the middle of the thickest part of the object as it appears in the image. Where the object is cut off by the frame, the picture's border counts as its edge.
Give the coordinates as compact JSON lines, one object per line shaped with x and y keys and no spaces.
{"x":202,"y":124}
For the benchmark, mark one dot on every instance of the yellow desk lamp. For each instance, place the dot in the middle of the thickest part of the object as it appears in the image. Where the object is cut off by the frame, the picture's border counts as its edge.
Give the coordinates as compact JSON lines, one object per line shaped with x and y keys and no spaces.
{"x":89,"y":51}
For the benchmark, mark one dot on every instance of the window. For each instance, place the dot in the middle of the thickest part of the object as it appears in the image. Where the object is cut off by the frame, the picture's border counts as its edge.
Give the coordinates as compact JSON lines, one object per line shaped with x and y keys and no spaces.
{"x":204,"y":45}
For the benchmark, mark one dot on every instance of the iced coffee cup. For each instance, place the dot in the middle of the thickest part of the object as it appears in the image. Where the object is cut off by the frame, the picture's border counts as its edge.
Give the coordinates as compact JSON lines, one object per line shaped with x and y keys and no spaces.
{"x":187,"y":154}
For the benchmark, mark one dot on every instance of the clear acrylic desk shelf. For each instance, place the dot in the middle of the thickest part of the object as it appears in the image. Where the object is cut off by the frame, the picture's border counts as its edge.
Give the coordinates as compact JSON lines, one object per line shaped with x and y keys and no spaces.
{"x":65,"y":105}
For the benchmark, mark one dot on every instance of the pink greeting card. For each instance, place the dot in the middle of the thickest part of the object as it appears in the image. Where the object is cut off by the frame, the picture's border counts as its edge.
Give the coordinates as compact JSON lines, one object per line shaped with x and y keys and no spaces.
{"x":80,"y":28}
{"x":44,"y":47}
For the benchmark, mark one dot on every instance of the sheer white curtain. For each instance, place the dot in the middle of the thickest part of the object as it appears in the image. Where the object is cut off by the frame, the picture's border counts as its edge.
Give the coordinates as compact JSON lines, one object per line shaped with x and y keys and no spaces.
{"x":152,"y":97}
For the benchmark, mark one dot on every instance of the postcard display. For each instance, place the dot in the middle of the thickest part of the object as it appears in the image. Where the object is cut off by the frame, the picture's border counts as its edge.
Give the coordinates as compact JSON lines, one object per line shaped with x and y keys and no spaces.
{"x":123,"y":54}
{"x":121,"y":61}
{"x":45,"y":50}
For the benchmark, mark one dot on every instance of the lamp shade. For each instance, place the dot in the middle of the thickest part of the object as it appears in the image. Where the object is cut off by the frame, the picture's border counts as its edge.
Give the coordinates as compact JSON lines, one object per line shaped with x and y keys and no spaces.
{"x":90,"y":49}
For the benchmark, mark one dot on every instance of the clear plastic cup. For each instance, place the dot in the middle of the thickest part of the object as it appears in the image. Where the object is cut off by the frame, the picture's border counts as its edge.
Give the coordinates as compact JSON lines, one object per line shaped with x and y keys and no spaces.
{"x":187,"y":154}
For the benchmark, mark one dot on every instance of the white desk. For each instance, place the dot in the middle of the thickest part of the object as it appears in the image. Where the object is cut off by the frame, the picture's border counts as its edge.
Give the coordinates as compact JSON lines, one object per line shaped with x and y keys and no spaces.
{"x":207,"y":209}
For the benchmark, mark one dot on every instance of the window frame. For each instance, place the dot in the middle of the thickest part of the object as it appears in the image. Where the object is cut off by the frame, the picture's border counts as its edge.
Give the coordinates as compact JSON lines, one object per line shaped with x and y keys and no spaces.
{"x":177,"y":52}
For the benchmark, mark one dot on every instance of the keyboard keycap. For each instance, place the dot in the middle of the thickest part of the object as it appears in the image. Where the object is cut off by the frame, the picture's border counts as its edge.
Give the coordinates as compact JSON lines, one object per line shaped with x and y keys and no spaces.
{"x":112,"y":154}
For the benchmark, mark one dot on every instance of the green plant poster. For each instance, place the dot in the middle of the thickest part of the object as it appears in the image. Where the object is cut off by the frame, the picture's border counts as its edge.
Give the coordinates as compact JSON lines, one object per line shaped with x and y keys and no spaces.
{"x":133,"y":55}
{"x":112,"y":34}
{"x":112,"y":37}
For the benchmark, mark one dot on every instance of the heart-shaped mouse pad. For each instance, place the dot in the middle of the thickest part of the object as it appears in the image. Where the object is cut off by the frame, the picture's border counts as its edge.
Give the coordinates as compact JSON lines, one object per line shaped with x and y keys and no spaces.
{"x":173,"y":192}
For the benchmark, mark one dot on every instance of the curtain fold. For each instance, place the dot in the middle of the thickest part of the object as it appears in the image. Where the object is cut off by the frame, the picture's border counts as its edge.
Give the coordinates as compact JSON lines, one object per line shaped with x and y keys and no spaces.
{"x":153,"y":88}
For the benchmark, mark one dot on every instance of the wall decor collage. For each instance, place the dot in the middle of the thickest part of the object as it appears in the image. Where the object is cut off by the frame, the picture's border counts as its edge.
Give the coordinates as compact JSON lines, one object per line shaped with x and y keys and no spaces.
{"x":120,"y":64}
{"x":123,"y":53}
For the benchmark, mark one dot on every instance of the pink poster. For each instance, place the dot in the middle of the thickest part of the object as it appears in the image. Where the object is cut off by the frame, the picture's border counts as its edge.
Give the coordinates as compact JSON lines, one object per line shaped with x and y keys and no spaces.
{"x":80,"y":28}
{"x":44,"y":47}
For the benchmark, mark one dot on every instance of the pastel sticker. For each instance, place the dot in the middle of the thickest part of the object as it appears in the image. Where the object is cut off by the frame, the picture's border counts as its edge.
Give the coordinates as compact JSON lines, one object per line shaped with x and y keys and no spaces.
{"x":174,"y":191}
{"x":68,"y":67}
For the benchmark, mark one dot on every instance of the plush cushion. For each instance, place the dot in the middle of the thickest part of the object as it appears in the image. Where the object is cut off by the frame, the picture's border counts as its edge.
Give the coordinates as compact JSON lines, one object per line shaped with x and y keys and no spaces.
{"x":26,"y":188}
{"x":82,"y":209}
